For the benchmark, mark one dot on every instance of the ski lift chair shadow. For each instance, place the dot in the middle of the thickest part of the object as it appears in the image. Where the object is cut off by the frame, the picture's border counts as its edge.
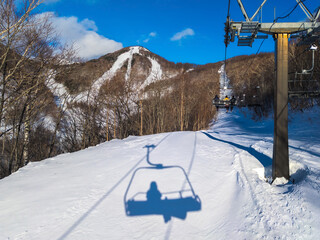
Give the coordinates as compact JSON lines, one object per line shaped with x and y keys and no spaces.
{"x":153,"y":202}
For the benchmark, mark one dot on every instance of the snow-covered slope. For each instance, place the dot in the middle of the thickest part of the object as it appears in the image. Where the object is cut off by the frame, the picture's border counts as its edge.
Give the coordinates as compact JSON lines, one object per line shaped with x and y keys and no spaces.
{"x":225,"y":89}
{"x":83,"y":195}
{"x":125,"y":58}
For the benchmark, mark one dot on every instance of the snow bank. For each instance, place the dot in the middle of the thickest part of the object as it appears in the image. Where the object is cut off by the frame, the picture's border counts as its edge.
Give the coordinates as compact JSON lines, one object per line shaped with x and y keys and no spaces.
{"x":84,"y":195}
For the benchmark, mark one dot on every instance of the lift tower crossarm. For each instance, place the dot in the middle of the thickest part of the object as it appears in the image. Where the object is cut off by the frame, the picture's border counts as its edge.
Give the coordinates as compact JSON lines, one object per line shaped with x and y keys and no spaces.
{"x":255,"y":14}
{"x":246,"y":31}
{"x":243,"y":11}
{"x":272,"y":28}
{"x":288,"y":27}
{"x":306,"y":10}
{"x":317,"y":15}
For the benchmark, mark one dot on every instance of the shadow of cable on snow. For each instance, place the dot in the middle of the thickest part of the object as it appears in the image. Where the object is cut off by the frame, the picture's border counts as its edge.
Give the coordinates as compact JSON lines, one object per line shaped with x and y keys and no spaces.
{"x":192,"y":158}
{"x":306,"y":151}
{"x":87,"y":213}
{"x":262,"y":158}
{"x":169,"y":228}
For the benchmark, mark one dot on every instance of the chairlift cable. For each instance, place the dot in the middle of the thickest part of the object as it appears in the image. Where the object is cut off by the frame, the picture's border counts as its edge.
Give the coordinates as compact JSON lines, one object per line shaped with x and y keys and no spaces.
{"x":228,"y":9}
{"x":247,"y":67}
{"x":227,"y":29}
{"x":283,"y":17}
{"x":226,"y":40}
{"x":294,"y":8}
{"x":254,"y":57}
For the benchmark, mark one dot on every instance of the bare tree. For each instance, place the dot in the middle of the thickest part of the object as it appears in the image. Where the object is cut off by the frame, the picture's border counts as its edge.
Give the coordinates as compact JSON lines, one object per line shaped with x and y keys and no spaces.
{"x":28,"y":53}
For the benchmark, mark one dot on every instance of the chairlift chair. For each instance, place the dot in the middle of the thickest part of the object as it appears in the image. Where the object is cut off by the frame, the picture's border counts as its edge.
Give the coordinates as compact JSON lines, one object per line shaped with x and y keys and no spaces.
{"x":255,"y":101}
{"x":176,"y":203}
{"x":220,"y":103}
{"x":303,"y":85}
{"x":243,"y":101}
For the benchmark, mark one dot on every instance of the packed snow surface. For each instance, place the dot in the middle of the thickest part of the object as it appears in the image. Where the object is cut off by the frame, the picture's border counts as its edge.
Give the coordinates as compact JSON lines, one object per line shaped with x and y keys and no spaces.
{"x":83,"y":195}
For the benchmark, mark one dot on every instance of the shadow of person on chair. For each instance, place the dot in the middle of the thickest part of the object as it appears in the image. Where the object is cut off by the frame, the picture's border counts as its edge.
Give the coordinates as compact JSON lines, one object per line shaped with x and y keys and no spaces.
{"x":153,"y":194}
{"x":155,"y":205}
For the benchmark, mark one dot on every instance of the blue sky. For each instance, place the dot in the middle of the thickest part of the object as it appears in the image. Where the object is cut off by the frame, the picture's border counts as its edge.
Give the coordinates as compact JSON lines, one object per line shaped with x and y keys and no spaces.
{"x":179,"y":30}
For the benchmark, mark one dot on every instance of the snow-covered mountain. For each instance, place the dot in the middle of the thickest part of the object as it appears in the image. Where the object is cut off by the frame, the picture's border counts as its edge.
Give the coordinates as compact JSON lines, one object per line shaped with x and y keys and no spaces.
{"x":136,"y":65}
{"x":86,"y":194}
{"x":104,"y":98}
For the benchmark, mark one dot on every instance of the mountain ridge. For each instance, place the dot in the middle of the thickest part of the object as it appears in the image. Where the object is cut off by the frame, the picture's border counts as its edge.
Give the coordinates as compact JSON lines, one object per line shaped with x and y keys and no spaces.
{"x":133,"y":63}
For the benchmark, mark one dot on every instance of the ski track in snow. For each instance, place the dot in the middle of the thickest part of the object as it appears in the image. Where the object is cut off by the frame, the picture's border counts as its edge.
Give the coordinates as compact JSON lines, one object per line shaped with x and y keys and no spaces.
{"x":279,"y":203}
{"x":98,"y":201}
{"x":284,"y":207}
{"x":81,"y":195}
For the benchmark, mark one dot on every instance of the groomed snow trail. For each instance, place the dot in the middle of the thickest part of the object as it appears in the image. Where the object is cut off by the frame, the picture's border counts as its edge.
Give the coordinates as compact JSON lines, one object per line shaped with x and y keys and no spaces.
{"x":81,"y":195}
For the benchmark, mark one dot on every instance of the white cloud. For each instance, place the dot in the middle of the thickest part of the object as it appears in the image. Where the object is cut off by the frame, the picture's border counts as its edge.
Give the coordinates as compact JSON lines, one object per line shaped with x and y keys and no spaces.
{"x":89,"y":24}
{"x":182,"y":34}
{"x":93,"y":45}
{"x":83,"y":36}
{"x":150,"y":36}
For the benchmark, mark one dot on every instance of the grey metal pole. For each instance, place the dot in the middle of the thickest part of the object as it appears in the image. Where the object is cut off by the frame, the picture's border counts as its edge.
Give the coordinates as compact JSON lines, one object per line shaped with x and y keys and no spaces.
{"x":280,"y":163}
{"x":243,"y":11}
{"x":260,"y":8}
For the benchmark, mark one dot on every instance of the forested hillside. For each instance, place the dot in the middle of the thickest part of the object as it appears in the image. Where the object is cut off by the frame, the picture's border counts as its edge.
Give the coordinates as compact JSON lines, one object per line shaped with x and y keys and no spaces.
{"x":132,"y":92}
{"x":28,"y":52}
{"x":252,"y":79}
{"x":51,"y":102}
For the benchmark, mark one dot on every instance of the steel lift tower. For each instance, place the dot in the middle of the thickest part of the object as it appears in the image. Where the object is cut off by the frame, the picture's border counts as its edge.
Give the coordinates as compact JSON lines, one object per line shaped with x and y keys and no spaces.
{"x":247,"y":31}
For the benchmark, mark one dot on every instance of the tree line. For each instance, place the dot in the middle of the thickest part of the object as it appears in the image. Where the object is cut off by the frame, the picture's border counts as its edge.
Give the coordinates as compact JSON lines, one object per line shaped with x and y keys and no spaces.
{"x":28,"y":49}
{"x":36,"y":123}
{"x":252,"y":79}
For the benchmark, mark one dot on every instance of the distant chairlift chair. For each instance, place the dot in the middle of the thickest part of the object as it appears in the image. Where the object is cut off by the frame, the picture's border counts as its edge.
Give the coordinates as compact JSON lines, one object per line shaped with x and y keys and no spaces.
{"x":220,"y":103}
{"x":303,"y":85}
